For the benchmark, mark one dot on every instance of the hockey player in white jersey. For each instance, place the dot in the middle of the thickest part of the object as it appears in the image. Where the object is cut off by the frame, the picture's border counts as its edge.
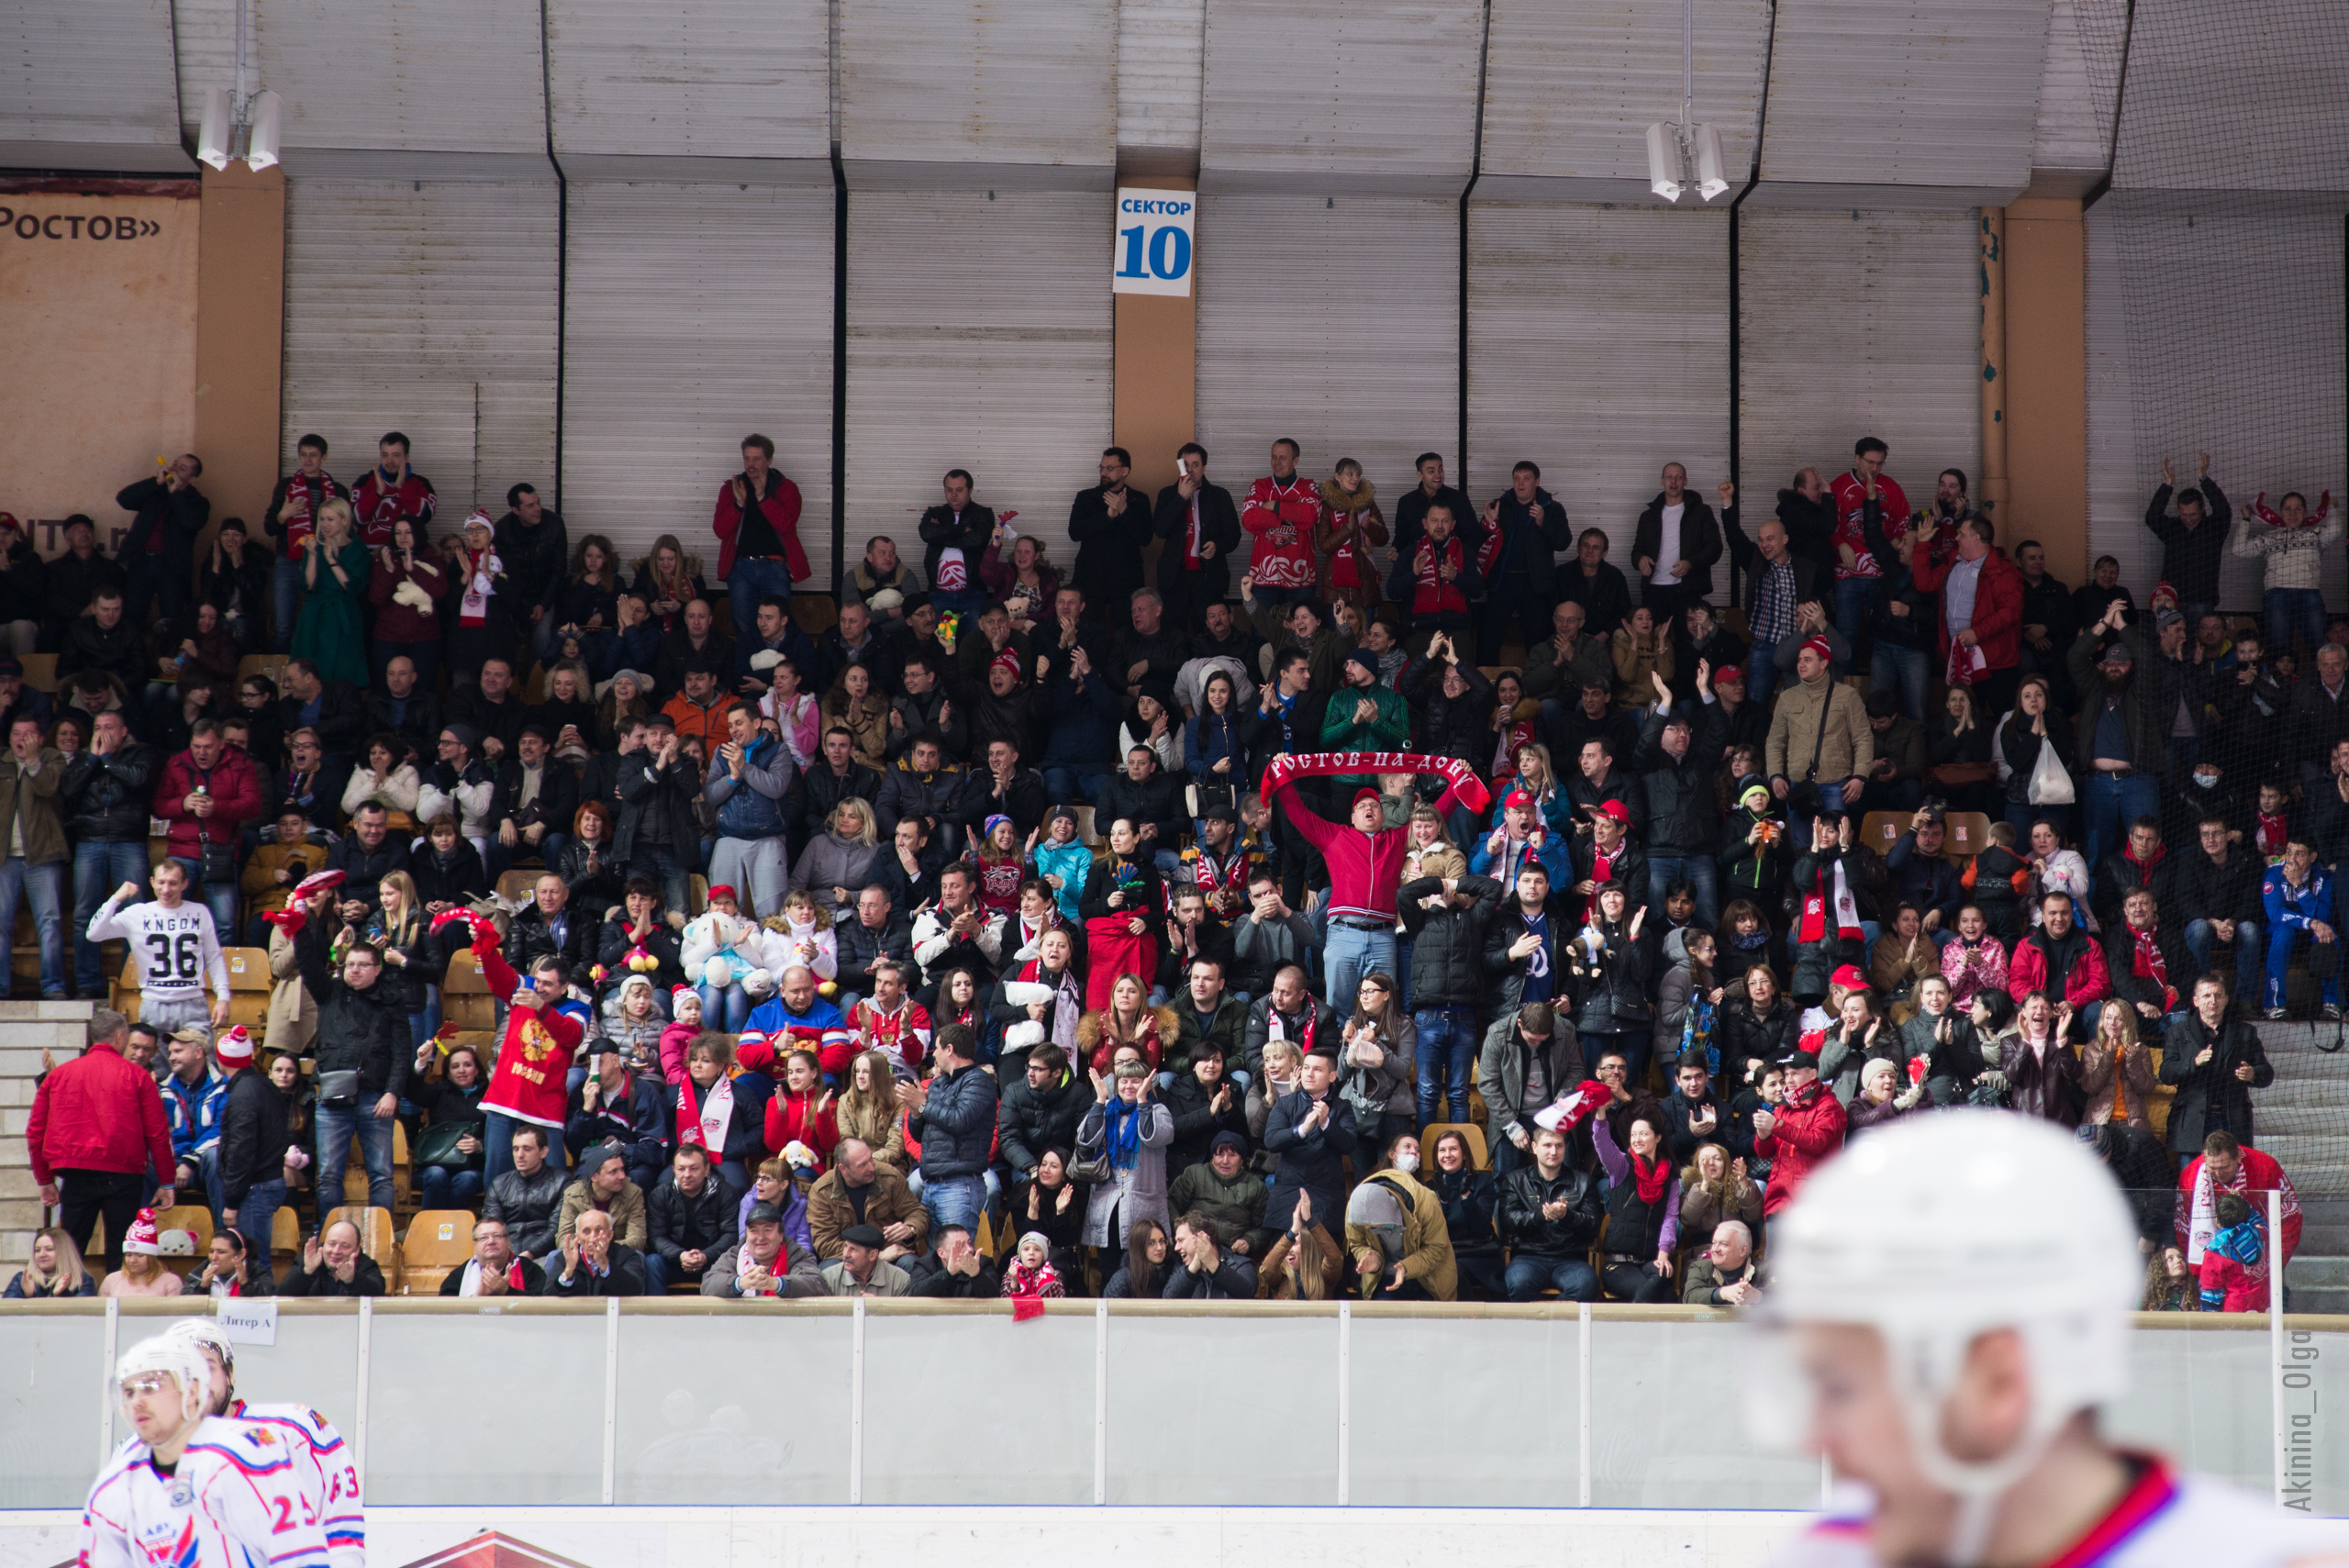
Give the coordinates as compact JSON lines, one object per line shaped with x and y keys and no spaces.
{"x":190,"y":1490}
{"x":331,"y":1472}
{"x":1949,"y":1306}
{"x":173,"y":947}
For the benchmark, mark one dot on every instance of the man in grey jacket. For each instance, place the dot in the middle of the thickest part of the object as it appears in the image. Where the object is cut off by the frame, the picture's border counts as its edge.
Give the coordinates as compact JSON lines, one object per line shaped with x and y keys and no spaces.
{"x":1269,"y":938}
{"x":747,"y":781}
{"x":1528,"y":1062}
{"x":529,"y":1199}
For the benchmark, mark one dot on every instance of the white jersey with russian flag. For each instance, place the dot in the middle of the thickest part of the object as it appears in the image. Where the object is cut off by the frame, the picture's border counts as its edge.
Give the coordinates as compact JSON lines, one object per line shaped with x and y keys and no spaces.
{"x":333,"y":1474}
{"x":237,"y":1499}
{"x":2163,"y":1521}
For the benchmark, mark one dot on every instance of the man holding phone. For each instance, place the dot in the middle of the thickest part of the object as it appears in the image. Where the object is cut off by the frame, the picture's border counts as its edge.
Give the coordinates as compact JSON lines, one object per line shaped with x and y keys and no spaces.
{"x":1201,"y":528}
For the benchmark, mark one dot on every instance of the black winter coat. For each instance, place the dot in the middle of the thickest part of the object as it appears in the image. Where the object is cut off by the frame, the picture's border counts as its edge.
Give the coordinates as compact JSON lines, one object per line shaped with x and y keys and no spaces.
{"x":2201,"y":890}
{"x":2212,"y":1085}
{"x":1683,"y":813}
{"x":1030,"y":1121}
{"x":1448,"y":944}
{"x":675,"y":1223}
{"x":107,"y":799}
{"x":1471,"y":1200}
{"x":367,"y":1279}
{"x":816,"y":792}
{"x":528,"y":1207}
{"x":1745,"y":1035}
{"x":1196,"y":1124}
{"x":1219,"y":525}
{"x":362,"y":1031}
{"x":1523,"y":1192}
{"x":457,"y":878}
{"x":252,"y":1135}
{"x":1701,"y":541}
{"x":1108,"y":549}
{"x":668,"y":793}
{"x":1449,"y":728}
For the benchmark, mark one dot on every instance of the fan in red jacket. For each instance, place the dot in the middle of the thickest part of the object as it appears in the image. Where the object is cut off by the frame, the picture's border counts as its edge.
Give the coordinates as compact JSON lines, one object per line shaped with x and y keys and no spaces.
{"x":95,"y":1117}
{"x":757,"y":514}
{"x":1806,"y":1131}
{"x":2059,"y":947}
{"x":210,"y":769}
{"x":1994,"y":626}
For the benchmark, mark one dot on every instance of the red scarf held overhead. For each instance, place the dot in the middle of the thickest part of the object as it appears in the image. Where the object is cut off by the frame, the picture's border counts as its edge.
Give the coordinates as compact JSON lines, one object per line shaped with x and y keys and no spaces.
{"x":2149,"y":965}
{"x":1458,"y":775}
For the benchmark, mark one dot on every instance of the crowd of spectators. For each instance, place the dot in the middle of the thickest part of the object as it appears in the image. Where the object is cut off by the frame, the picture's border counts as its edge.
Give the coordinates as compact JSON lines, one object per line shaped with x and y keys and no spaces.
{"x":1051,"y":947}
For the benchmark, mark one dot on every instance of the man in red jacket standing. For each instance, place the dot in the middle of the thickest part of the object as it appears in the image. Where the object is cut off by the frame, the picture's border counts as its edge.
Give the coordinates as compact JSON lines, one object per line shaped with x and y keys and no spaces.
{"x":97,"y":1129}
{"x":208,"y":793}
{"x":1803,"y":1133}
{"x":758,"y":534}
{"x":1280,"y":513}
{"x":1981,"y":591}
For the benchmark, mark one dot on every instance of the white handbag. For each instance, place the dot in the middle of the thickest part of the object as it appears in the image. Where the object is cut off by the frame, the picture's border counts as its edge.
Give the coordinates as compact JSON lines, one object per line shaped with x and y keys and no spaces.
{"x":2050,"y":784}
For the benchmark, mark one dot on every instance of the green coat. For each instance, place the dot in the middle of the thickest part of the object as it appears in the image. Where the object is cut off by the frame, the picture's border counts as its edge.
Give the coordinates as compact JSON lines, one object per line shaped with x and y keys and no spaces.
{"x":1390,"y":730}
{"x":330,"y":631}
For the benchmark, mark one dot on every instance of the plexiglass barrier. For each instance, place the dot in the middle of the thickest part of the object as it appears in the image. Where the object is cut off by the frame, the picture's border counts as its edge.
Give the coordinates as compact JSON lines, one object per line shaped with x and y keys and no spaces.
{"x":690,"y":1402}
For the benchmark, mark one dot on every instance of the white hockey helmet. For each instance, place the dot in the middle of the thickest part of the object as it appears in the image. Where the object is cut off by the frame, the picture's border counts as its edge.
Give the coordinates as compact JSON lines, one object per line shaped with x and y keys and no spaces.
{"x":1936,"y":1229}
{"x":177,"y":1357}
{"x":207,"y":1335}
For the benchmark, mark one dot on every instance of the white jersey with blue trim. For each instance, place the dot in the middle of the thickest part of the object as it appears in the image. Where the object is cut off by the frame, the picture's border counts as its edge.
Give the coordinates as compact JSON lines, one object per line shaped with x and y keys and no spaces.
{"x":333,"y":1471}
{"x":2163,"y":1521}
{"x":236,"y":1499}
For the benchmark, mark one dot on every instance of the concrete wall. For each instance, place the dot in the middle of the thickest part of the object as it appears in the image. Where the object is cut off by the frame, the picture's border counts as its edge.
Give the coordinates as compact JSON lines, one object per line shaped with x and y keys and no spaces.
{"x":28,"y":1029}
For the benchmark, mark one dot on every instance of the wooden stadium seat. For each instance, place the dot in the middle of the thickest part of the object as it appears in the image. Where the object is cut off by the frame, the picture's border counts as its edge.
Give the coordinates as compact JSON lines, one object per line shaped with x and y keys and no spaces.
{"x":440,"y":1241}
{"x":534,"y":685}
{"x":815,"y":614}
{"x":521,"y":884}
{"x":697,"y":896}
{"x":1879,"y":830}
{"x":1085,"y":826}
{"x":249,"y":986}
{"x":1969,"y":834}
{"x":1469,"y":1131}
{"x":465,"y":1000}
{"x":285,"y":1235}
{"x":125,"y":991}
{"x":159,"y":849}
{"x":195,"y":1218}
{"x":374,"y":1238}
{"x":270,"y":664}
{"x":40,"y":671}
{"x":986,"y":1239}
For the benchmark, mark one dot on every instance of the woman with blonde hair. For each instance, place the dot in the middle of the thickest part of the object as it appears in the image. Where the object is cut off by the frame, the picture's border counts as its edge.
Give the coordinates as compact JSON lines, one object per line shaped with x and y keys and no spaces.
{"x":1538,"y":777}
{"x":2116,"y":1070}
{"x":1129,"y":1019}
{"x":55,"y":1269}
{"x":667,"y":580}
{"x":1714,"y":1187}
{"x":868,"y":1109}
{"x":397,"y":933}
{"x":330,"y":631}
{"x":568,"y":715}
{"x":857,"y":704}
{"x":838,"y":862}
{"x":1284,"y":1065}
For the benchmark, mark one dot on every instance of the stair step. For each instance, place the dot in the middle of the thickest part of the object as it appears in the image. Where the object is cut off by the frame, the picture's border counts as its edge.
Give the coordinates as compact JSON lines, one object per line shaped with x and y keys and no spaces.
{"x":2306,"y":1273}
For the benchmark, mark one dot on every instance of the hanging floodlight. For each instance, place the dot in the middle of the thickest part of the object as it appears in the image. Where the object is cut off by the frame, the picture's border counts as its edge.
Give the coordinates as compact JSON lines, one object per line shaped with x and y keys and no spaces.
{"x":1706,"y":150}
{"x":214,"y":130}
{"x":268,"y":112}
{"x":1663,"y":161}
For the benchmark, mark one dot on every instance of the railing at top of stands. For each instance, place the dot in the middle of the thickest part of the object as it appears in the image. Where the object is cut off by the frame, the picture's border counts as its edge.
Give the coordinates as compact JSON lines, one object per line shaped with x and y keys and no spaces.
{"x":685,"y":1400}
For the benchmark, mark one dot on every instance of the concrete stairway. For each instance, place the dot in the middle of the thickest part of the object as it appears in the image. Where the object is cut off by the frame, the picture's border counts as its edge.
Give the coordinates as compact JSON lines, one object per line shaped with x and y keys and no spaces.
{"x":2303,"y":1120}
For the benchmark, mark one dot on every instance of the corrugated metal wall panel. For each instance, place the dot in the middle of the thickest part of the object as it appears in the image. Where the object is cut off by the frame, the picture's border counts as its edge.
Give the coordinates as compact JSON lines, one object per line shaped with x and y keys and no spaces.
{"x":2231,"y":311}
{"x":988,"y":82}
{"x":1571,"y":91}
{"x":431,"y":311}
{"x":666,"y":371}
{"x":449,"y":76}
{"x":994,"y":358}
{"x":2118,"y":490}
{"x":1858,"y":325}
{"x":89,"y":85}
{"x":1161,"y":49}
{"x":2240,"y":97}
{"x":702,"y":78}
{"x":2080,"y":95}
{"x":1599,"y":348}
{"x":1322,"y":87}
{"x":204,"y":38}
{"x":1934,"y":94}
{"x":1337,"y":326}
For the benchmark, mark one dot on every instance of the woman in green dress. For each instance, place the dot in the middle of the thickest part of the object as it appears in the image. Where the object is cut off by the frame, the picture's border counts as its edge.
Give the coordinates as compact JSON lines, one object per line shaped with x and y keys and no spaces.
{"x":330,"y":632}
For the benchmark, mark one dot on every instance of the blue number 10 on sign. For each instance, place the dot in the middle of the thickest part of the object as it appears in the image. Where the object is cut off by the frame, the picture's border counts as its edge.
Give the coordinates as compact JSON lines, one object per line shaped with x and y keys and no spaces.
{"x":1153,"y":249}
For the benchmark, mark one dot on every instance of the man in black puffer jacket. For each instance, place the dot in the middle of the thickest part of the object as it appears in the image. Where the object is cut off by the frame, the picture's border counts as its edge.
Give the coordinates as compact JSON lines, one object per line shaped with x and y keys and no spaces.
{"x":690,"y":1218}
{"x":528,"y":1199}
{"x":1676,"y":761}
{"x":1445,"y":913}
{"x":252,"y":1150}
{"x":363,"y":1032}
{"x":105,"y":793}
{"x":1039,"y":1110}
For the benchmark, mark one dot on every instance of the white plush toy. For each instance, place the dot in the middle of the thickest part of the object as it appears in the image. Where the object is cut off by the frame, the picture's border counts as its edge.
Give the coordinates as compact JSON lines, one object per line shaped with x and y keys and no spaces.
{"x":1027,"y":1031}
{"x":723,"y":949}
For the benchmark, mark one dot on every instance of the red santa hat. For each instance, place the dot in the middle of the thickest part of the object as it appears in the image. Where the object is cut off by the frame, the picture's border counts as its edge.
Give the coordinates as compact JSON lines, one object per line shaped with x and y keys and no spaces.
{"x":235,"y":1048}
{"x":1007,"y":660}
{"x":680,"y":995}
{"x":143,"y":1237}
{"x":1819,"y":645}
